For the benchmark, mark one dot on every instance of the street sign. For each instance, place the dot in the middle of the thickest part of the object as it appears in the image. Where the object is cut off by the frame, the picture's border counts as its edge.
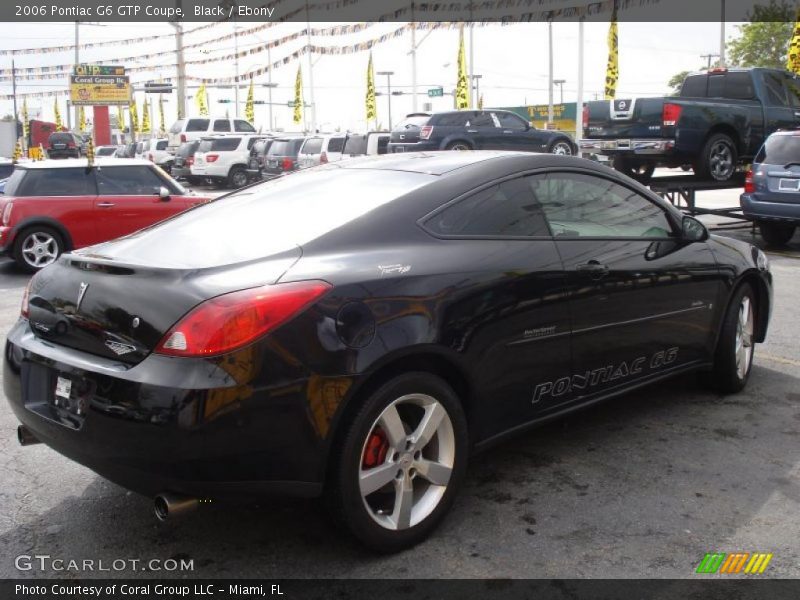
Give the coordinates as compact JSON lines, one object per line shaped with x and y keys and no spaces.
{"x":435,"y":92}
{"x":157,"y":88}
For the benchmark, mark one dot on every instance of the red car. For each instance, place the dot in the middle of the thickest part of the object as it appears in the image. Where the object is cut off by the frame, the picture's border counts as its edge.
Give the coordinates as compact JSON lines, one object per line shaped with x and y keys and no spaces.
{"x":55,"y":206}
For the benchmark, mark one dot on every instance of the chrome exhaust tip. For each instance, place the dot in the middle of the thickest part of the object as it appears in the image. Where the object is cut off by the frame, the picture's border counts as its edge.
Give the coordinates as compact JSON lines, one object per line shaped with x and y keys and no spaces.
{"x":168,"y":506}
{"x":26,"y":437}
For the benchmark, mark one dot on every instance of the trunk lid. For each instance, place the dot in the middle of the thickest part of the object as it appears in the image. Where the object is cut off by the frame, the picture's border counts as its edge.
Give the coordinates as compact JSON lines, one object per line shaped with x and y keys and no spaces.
{"x":625,"y":118}
{"x":121,"y":311}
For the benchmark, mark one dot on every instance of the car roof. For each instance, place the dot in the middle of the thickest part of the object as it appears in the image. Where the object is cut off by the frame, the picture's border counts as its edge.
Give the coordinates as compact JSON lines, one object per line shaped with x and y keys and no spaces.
{"x":67,"y":163}
{"x":431,"y":163}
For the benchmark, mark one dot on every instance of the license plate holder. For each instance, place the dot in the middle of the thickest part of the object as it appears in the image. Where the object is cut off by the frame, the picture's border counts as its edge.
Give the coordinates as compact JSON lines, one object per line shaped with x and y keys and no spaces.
{"x":789,"y":185}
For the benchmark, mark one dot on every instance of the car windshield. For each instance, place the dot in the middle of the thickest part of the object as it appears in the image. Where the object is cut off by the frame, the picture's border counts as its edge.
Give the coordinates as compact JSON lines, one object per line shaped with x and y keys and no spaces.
{"x":780,"y":150}
{"x":266,"y":219}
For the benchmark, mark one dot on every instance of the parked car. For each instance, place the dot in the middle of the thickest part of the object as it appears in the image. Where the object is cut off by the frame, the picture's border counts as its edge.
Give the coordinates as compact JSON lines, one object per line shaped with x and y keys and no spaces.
{"x":370,"y":144}
{"x":772,"y":188}
{"x":718,"y":121}
{"x":64,"y":144}
{"x":187,"y":130}
{"x":127,"y":151}
{"x":51,"y":207}
{"x":359,"y":329}
{"x":155,"y":150}
{"x":475,"y":130}
{"x":282,"y":157}
{"x":258,"y":154}
{"x":223,"y":160}
{"x":321,"y":149}
{"x":106,"y":150}
{"x":184,"y":158}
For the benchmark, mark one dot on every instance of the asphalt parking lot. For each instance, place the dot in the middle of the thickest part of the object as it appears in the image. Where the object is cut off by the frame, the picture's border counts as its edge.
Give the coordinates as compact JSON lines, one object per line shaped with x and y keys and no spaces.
{"x":642,"y":486}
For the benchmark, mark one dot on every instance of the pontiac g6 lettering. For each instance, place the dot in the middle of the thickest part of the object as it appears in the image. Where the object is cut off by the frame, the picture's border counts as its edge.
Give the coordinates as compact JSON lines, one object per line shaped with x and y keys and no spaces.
{"x":358,"y":329}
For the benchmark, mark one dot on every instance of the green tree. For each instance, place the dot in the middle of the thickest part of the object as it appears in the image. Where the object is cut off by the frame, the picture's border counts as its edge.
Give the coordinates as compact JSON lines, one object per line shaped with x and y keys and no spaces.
{"x":676,"y":81}
{"x":764,"y":42}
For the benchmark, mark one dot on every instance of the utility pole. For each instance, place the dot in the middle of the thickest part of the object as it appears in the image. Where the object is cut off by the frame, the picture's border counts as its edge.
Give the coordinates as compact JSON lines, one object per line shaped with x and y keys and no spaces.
{"x":181,"y":89}
{"x":709,"y":57}
{"x":270,"y":85}
{"x":77,"y":62}
{"x":388,"y":75}
{"x":413,"y":61}
{"x":560,"y":83}
{"x":14,"y":93}
{"x":313,"y":106}
{"x":579,"y":100}
{"x":236,"y":63}
{"x":471,"y":58}
{"x":722,"y":35}
{"x":550,"y":72}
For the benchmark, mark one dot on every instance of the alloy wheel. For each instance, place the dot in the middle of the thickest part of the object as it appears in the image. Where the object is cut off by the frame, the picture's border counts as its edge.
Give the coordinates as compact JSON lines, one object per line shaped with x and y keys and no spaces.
{"x":406,"y":461}
{"x":721,"y":161}
{"x":562,"y":148}
{"x":744,"y":338}
{"x":39,"y":249}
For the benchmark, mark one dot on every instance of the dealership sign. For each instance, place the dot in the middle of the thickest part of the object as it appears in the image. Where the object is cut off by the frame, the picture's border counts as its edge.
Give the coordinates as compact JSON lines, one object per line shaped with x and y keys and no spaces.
{"x":99,"y":85}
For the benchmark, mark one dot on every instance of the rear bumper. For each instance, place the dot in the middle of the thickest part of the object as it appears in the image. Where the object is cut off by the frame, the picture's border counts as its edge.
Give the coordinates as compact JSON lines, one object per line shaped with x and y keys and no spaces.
{"x":167,"y":424}
{"x":632,"y":147}
{"x":769,"y":211}
{"x":210,"y":171}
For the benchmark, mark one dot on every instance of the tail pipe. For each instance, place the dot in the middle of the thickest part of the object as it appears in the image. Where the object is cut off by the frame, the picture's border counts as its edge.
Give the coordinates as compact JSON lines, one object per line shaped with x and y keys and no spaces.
{"x":168,"y":506}
{"x":26,"y":437}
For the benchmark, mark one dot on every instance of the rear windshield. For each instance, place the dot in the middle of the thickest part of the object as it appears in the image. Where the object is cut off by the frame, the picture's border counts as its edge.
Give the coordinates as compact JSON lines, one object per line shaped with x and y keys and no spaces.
{"x":285,"y":147}
{"x":219,"y":145}
{"x":356,"y":144}
{"x":335,"y":144}
{"x":161,"y":145}
{"x":779,"y":150}
{"x":61,"y":138}
{"x":267,"y":219}
{"x":412,"y":122}
{"x":695,"y":86}
{"x":197,"y":125}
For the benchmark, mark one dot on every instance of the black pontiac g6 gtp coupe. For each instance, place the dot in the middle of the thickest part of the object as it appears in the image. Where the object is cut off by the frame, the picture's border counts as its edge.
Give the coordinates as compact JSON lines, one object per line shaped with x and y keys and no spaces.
{"x":359,"y":328}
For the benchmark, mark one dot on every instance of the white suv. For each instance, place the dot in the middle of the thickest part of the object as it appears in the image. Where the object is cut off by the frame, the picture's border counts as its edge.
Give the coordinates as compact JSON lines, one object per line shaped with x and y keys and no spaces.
{"x":155,"y":151}
{"x":188,"y":130}
{"x":223,"y":159}
{"x":321,"y":149}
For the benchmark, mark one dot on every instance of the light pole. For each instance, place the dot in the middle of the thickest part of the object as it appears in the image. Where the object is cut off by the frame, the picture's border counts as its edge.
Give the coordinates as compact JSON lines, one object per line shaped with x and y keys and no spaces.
{"x":269,"y":85}
{"x":476,"y":82}
{"x":560,"y":83}
{"x":388,"y":75}
{"x":550,"y":72}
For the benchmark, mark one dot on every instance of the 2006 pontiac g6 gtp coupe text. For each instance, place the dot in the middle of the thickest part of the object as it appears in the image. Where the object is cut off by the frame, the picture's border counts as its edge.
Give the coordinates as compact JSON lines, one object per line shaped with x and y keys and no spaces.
{"x":358,"y":329}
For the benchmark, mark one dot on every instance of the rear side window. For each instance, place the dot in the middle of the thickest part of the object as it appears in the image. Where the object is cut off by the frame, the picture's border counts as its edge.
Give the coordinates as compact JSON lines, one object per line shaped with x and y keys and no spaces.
{"x":776,"y":93}
{"x":58,"y":182}
{"x":452,"y":120}
{"x":243,"y":126}
{"x":177,"y":126}
{"x":219,"y":145}
{"x":335,"y":144}
{"x":161,"y":145}
{"x":716,"y":86}
{"x":195,"y":125}
{"x":780,"y":150}
{"x":127,"y":181}
{"x":312,"y":146}
{"x":356,"y":144}
{"x":222,"y":125}
{"x":511,"y":121}
{"x":413,"y":122}
{"x":508,"y":209}
{"x":695,"y":86}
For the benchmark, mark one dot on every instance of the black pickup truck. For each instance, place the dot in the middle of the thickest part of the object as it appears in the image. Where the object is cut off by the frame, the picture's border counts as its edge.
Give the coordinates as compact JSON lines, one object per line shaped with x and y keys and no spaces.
{"x":719,"y":120}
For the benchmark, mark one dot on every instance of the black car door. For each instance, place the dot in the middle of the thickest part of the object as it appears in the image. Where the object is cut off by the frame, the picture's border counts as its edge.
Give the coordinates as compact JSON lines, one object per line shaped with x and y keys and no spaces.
{"x":641,"y":299}
{"x":506,"y":311}
{"x":482,"y":131}
{"x":517,"y":134}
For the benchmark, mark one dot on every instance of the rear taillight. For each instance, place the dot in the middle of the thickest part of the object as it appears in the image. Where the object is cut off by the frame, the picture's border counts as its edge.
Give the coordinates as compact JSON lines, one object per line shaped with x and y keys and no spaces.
{"x":6,"y":219}
{"x":670,"y":114}
{"x":190,"y":161}
{"x":212,"y":157}
{"x":183,"y":137}
{"x":233,"y":320}
{"x":585,"y":116}
{"x":749,"y":185}
{"x":425,"y":132}
{"x":70,"y":144}
{"x":25,"y":310}
{"x":150,"y":157}
{"x":323,"y":158}
{"x":287,"y":164}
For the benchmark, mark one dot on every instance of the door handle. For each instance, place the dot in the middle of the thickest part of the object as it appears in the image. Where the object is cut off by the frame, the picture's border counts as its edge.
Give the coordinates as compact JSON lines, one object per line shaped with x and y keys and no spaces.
{"x":508,"y":131}
{"x":472,"y":131}
{"x":105,"y":204}
{"x":593,"y":268}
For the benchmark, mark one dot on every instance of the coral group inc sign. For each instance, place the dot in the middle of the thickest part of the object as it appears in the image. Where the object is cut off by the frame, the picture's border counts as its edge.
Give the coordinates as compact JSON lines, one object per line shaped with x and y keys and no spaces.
{"x":99,"y":85}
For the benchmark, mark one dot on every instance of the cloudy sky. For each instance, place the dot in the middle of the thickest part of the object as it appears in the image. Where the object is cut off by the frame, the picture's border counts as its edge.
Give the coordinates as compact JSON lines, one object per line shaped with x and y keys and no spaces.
{"x":513,"y":62}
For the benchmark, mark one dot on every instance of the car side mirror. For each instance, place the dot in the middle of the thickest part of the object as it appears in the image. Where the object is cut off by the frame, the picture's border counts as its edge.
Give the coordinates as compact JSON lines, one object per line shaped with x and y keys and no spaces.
{"x":163,"y":193}
{"x":693,"y":230}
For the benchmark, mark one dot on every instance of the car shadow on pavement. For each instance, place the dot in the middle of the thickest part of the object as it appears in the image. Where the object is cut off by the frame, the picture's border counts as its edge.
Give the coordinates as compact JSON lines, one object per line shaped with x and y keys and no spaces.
{"x":641,"y":486}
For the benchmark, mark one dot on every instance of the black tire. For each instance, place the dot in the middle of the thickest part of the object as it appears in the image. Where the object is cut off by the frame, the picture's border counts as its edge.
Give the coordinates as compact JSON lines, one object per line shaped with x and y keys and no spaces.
{"x":725,"y":376}
{"x":22,"y":251}
{"x":776,"y":234}
{"x":561,"y":146}
{"x":193,"y":180}
{"x":635,"y":169}
{"x":167,"y":167}
{"x":718,"y":159}
{"x":237,"y":177}
{"x":458,"y":145}
{"x":343,"y":492}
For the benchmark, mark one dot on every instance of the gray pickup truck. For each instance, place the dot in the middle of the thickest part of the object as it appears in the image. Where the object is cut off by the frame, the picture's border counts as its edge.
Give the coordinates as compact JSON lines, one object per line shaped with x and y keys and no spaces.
{"x":718,"y":121}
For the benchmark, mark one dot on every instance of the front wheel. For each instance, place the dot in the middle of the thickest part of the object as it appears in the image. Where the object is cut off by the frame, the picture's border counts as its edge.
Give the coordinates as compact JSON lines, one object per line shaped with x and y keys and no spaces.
{"x":776,"y":234}
{"x":37,"y":247}
{"x":561,"y":147}
{"x":734,"y":355}
{"x":401,"y":460}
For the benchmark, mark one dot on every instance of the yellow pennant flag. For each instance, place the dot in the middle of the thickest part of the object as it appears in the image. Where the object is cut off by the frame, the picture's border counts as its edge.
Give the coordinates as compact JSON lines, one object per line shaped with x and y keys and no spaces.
{"x":612,"y":69}
{"x":90,"y":151}
{"x":201,"y":100}
{"x":17,"y":151}
{"x":462,"y":89}
{"x":81,"y":119}
{"x":25,"y":123}
{"x":249,"y":106}
{"x":372,"y":112}
{"x":793,"y":56}
{"x":162,"y":129}
{"x":298,"y":96}
{"x":134,"y":116}
{"x":57,"y":115}
{"x":145,"y":117}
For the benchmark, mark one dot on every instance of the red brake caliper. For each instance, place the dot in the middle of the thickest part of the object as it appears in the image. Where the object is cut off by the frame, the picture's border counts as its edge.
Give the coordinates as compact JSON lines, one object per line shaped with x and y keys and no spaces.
{"x":375,"y":451}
